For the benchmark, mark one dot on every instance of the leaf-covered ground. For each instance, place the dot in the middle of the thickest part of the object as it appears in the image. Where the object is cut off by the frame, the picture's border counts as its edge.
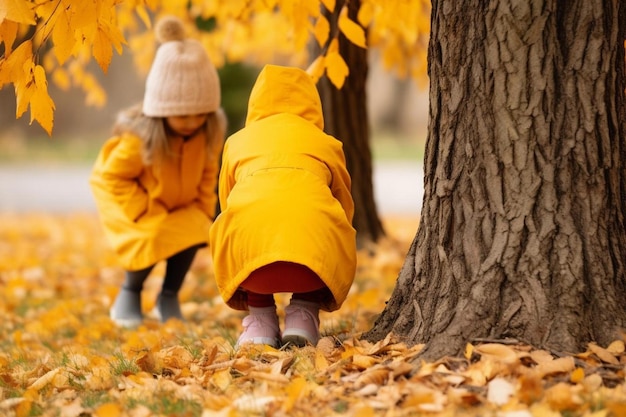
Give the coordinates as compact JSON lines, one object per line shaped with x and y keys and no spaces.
{"x":60,"y":355}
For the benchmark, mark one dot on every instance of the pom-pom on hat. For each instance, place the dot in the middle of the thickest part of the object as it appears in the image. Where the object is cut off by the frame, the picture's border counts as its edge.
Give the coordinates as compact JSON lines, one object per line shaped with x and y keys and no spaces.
{"x":182,"y":80}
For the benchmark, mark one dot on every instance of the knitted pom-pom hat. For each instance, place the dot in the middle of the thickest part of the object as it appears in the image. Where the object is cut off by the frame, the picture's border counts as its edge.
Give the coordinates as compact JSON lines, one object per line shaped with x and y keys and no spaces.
{"x":182,"y":80}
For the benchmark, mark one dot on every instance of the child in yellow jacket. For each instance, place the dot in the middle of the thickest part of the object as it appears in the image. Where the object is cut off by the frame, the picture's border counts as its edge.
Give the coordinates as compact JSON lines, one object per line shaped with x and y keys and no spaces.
{"x":154,"y":181}
{"x":286,"y":220}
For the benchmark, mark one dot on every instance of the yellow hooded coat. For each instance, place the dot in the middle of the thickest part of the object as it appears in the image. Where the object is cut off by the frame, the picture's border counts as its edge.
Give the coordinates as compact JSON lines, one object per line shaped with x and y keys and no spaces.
{"x":284,"y":191}
{"x":150,"y":213}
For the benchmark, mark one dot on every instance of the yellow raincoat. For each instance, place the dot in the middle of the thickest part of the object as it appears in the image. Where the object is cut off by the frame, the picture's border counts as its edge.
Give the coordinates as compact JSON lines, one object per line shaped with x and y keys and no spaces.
{"x":284,"y":191}
{"x":150,"y":213}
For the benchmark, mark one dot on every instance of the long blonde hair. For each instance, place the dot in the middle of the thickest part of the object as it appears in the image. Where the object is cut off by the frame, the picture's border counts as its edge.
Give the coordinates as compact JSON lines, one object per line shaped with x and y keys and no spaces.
{"x":152,"y":132}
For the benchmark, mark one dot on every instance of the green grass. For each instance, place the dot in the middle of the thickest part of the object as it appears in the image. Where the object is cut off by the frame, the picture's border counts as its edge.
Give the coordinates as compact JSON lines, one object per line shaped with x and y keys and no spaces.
{"x":123,"y":366}
{"x":384,"y":147}
{"x":48,"y":150}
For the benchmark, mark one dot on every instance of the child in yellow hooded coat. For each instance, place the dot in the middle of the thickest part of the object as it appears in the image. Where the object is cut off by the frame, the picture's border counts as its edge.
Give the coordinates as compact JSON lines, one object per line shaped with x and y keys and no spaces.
{"x":155,"y":180}
{"x":286,"y":220}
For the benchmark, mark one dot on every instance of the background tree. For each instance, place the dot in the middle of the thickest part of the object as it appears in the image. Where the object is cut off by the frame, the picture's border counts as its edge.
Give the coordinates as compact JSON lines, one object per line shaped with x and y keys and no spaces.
{"x":522,"y":227}
{"x":346,"y":117}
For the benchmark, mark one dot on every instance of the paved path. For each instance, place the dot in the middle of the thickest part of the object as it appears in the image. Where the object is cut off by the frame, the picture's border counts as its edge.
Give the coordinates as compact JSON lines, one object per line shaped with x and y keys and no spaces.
{"x":398,"y":188}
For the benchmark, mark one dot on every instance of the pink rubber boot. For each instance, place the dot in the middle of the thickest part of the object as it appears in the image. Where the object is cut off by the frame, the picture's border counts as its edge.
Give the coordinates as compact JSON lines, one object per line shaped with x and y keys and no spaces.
{"x":260,"y":327}
{"x":301,"y":323}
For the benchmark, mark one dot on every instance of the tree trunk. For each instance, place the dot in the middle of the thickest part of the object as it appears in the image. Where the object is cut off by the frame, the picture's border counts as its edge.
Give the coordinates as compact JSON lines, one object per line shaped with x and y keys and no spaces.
{"x":522,"y":228}
{"x":345,"y":117}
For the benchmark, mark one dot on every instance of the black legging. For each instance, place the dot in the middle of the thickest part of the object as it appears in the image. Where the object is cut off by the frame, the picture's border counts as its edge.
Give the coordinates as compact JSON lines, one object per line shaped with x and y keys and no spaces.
{"x":175,"y":271}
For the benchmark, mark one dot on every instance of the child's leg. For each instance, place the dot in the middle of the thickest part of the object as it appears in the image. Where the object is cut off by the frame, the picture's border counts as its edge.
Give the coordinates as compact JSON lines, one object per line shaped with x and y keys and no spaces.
{"x":126,"y":310}
{"x":167,"y":305}
{"x":261,"y":325}
{"x":302,"y":314}
{"x":260,"y":300}
{"x":283,"y":277}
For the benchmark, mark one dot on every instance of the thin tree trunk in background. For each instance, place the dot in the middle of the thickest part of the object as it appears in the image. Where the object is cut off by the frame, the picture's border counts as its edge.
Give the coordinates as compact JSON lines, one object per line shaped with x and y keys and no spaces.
{"x":346,"y":118}
{"x":522,"y":227}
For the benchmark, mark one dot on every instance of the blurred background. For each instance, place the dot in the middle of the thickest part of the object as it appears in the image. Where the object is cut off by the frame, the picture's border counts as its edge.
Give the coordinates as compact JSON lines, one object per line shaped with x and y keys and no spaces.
{"x":397,"y":108}
{"x":30,"y":160}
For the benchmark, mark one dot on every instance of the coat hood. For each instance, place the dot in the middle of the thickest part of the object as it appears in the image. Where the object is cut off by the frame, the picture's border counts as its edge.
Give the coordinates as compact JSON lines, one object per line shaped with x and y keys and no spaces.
{"x":280,"y":90}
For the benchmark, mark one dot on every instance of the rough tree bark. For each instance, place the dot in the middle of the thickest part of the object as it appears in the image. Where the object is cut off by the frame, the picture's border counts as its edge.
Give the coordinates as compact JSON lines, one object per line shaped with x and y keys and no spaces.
{"x":345,"y":117}
{"x":522,"y":228}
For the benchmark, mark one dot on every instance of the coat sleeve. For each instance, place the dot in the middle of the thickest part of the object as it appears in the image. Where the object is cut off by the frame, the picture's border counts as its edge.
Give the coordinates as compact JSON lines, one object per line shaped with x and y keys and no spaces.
{"x":226,"y":179}
{"x":115,"y":177}
{"x":341,"y":183}
{"x":207,"y":194}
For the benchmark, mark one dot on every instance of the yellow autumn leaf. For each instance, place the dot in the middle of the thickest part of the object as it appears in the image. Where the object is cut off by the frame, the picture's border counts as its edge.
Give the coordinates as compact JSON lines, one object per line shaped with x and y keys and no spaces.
{"x":294,"y":390}
{"x":617,"y":347}
{"x":12,"y":67}
{"x":365,"y":14}
{"x":497,"y":351}
{"x":321,"y":363}
{"x":329,"y":4}
{"x":23,"y":409}
{"x":8,"y":33}
{"x":299,"y":19}
{"x":102,"y":49}
{"x":577,"y":375}
{"x":317,"y":67}
{"x":61,"y":78}
{"x":543,"y":410}
{"x":176,"y":357}
{"x":24,"y":93}
{"x":350,"y":29}
{"x":363,"y":361}
{"x":563,"y":397}
{"x":63,"y":37}
{"x":592,"y":383}
{"x":222,"y":379}
{"x":376,"y":376}
{"x":250,"y":404}
{"x":336,"y":69}
{"x":146,"y":361}
{"x":321,"y":30}
{"x":469,"y":350}
{"x":143,"y":15}
{"x":603,"y":354}
{"x":18,"y":11}
{"x":108,"y":410}
{"x":618,"y":408}
{"x":114,"y":34}
{"x":530,"y":388}
{"x":84,"y":13}
{"x":541,"y":356}
{"x":364,"y":411}
{"x":312,"y":7}
{"x":558,"y":366}
{"x":41,"y":105}
{"x":44,"y":380}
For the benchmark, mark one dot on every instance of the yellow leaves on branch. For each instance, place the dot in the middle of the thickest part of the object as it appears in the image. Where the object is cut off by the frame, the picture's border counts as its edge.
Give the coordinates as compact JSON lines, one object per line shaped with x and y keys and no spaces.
{"x":62,"y":36}
{"x":336,"y":68}
{"x":350,"y":29}
{"x":31,"y":86}
{"x":400,"y":30}
{"x":16,"y":11}
{"x":75,"y":29}
{"x":333,"y":63}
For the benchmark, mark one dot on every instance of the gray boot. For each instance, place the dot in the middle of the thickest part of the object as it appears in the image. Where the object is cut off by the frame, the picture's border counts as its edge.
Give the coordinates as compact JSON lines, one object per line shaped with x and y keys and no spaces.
{"x":126,"y":310}
{"x":167,"y":307}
